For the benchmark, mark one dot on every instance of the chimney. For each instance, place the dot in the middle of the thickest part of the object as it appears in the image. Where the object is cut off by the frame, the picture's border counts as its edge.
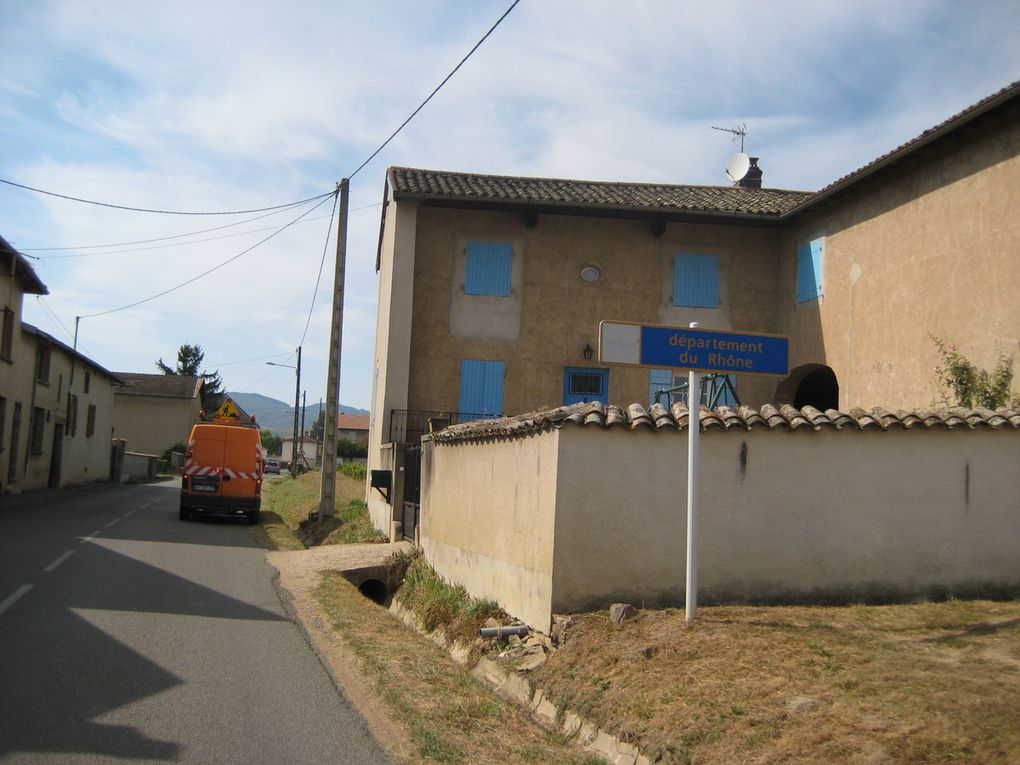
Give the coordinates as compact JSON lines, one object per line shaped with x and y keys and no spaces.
{"x":752,"y":178}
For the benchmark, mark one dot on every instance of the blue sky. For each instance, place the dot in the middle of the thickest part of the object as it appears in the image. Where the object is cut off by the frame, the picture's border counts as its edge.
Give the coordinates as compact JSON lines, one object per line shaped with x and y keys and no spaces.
{"x":236,"y":105}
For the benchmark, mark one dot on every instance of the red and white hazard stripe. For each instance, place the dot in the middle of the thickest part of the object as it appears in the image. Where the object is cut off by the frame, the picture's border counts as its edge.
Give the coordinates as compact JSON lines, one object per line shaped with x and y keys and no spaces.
{"x":192,"y":469}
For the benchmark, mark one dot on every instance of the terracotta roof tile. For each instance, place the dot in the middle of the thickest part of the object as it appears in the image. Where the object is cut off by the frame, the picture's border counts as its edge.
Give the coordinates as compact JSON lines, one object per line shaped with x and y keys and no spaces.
{"x":168,"y":386}
{"x":443,"y":185}
{"x":743,"y":418}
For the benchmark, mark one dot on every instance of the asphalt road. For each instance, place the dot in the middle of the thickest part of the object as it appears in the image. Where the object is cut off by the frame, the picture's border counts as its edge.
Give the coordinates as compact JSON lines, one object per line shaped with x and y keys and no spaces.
{"x":129,"y":636}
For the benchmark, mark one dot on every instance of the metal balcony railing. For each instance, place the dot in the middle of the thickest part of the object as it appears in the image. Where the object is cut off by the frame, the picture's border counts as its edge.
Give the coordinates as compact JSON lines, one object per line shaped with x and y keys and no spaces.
{"x":409,"y":425}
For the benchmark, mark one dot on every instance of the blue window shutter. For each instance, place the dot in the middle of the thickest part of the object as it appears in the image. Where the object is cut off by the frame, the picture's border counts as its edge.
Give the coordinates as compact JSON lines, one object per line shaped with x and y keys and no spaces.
{"x":488,"y":268}
{"x":696,"y":280}
{"x":809,"y":271}
{"x":659,"y":379}
{"x":481,"y":388}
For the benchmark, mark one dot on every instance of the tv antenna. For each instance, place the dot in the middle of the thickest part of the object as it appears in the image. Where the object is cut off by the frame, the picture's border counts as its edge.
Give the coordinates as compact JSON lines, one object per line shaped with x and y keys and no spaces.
{"x":739,"y":131}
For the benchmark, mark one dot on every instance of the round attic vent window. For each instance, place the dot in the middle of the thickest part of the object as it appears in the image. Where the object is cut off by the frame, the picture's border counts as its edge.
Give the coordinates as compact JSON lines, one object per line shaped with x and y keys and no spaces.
{"x":591,"y":273}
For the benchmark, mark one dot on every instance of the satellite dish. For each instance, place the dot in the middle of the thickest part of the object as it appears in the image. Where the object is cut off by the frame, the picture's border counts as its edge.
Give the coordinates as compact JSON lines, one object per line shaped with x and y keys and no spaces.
{"x":739,"y":164}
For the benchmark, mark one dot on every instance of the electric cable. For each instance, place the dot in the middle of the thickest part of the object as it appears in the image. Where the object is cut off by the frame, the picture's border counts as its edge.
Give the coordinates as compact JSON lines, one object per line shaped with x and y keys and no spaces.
{"x":173,"y":244}
{"x":249,"y":361}
{"x":166,"y":212}
{"x":209,"y":271}
{"x":67,"y":333}
{"x":322,"y":261}
{"x":149,"y":241}
{"x":438,"y":87}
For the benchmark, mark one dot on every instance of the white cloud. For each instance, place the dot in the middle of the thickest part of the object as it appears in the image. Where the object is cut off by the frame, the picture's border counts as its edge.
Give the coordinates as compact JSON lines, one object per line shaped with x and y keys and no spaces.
{"x":199,"y":106}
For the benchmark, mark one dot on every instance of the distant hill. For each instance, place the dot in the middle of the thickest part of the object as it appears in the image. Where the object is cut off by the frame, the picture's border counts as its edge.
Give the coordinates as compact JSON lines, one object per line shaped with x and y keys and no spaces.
{"x":278,"y":416}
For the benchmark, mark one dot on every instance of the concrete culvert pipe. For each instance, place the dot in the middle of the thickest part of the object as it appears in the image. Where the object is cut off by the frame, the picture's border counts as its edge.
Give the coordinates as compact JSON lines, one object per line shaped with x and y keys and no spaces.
{"x":374,"y":590}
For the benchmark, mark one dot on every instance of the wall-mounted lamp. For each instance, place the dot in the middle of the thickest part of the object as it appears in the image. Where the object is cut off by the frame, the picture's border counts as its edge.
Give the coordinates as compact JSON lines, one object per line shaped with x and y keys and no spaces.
{"x":591,"y":273}
{"x":588,"y":351}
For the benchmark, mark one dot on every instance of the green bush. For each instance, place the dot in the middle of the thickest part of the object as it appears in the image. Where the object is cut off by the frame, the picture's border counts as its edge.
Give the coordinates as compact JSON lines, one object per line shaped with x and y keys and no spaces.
{"x":961,"y":383}
{"x":352,"y":470}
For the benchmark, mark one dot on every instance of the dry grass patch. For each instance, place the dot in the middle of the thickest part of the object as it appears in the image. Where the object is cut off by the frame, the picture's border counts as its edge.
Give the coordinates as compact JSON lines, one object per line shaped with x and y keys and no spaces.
{"x":451,"y":716}
{"x":295,"y":502}
{"x":917,"y":683}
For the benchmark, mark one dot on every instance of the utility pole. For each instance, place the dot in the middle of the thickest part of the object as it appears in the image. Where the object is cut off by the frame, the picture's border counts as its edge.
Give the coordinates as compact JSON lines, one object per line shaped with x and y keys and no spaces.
{"x":304,"y":404}
{"x":327,"y":489}
{"x":297,"y":403}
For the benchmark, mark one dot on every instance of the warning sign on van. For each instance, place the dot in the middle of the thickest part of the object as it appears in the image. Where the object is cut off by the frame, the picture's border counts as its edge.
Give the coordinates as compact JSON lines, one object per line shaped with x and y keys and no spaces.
{"x":229,"y":412}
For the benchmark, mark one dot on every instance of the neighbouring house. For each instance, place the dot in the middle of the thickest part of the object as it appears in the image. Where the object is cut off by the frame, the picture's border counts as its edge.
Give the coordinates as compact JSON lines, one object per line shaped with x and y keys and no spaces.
{"x":353,"y":427}
{"x":492,"y":288}
{"x":155,"y":412}
{"x":308,"y":447}
{"x":56,"y":405}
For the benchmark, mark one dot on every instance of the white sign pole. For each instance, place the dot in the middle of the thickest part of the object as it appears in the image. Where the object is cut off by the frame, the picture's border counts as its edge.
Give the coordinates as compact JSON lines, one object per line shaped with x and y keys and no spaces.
{"x":693,"y":428}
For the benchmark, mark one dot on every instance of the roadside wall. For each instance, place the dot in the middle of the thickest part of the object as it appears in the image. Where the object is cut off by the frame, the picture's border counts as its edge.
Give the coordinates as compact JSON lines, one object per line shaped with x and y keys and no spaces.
{"x":487,"y":519}
{"x":579,"y":517}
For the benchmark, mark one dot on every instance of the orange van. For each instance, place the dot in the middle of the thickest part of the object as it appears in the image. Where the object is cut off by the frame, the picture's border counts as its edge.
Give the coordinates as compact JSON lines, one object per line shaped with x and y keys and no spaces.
{"x":222,"y":473}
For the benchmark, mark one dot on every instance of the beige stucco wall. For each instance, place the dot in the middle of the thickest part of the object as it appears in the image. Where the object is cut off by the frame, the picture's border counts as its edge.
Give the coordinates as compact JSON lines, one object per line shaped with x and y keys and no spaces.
{"x":392,"y":344}
{"x":487,"y":521}
{"x":928,"y":248}
{"x":153,"y":424}
{"x":560,"y":313}
{"x":800,"y":516}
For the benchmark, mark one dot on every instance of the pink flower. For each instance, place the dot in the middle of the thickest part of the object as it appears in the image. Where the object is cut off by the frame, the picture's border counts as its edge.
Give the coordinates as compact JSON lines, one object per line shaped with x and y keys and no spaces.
{"x":952,"y":346}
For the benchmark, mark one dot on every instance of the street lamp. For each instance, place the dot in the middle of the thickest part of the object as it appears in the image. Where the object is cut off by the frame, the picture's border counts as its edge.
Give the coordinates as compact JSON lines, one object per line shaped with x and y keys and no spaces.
{"x":297,"y":403}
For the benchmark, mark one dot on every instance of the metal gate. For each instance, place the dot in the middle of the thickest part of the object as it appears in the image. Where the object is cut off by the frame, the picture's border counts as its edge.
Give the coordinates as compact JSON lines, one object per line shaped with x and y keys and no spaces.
{"x":412,"y":490}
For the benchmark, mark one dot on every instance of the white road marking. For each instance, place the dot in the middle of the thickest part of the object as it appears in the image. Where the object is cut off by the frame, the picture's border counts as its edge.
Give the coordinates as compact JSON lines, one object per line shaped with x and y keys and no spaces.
{"x":91,"y":536}
{"x":59,"y":560}
{"x":130,"y":512}
{"x":10,"y":600}
{"x":115,"y":520}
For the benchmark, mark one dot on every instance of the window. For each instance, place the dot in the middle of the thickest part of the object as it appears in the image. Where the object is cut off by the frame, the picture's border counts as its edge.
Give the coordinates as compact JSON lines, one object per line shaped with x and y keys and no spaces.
{"x":3,"y":421}
{"x":696,"y":280}
{"x":660,"y":379}
{"x":7,"y":336}
{"x":583,"y":384}
{"x":88,"y":380}
{"x":481,"y":389}
{"x":38,"y":429}
{"x":488,"y":268}
{"x":71,"y":424}
{"x":809,"y":271}
{"x":42,"y":367}
{"x":90,"y":420}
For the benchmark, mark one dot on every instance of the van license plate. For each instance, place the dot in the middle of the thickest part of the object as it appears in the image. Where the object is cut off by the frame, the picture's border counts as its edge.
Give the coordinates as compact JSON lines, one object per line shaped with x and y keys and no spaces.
{"x":205,"y":483}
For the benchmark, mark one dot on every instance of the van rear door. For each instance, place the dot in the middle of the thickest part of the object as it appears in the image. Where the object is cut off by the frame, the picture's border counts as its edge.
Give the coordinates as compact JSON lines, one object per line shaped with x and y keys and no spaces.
{"x":242,"y":461}
{"x":208,"y":449}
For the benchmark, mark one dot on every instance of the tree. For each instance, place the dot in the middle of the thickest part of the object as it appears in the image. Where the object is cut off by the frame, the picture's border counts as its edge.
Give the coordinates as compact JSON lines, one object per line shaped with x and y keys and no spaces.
{"x":348,"y":449}
{"x":271,"y":442}
{"x":189,"y":362}
{"x":316,"y":431}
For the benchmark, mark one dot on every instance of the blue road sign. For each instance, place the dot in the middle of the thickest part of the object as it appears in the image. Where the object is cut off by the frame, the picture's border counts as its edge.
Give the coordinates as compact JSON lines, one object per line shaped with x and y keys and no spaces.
{"x":710,"y":350}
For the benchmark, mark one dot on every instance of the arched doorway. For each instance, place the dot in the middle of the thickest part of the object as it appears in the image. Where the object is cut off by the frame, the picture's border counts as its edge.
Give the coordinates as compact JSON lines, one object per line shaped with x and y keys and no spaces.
{"x":810,"y":385}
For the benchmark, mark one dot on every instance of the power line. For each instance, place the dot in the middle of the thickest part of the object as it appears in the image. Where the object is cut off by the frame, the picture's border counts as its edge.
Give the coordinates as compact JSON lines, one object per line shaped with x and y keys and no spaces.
{"x":248,"y":361}
{"x":67,"y":333}
{"x":25,"y":250}
{"x":438,"y":87}
{"x":165,"y":212}
{"x":172,"y":244}
{"x":318,"y":278}
{"x":206,"y":273}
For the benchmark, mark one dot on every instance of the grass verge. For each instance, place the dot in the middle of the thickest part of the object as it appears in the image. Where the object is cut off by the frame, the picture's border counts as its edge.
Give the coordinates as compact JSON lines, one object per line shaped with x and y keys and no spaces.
{"x":916,"y":683}
{"x":451,"y":716}
{"x":288,"y":504}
